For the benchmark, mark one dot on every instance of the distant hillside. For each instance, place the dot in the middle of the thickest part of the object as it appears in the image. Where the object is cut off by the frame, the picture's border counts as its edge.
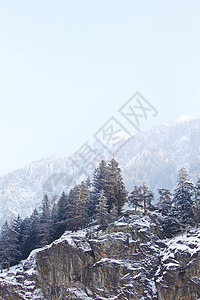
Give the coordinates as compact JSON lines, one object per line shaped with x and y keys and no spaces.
{"x":154,"y":156}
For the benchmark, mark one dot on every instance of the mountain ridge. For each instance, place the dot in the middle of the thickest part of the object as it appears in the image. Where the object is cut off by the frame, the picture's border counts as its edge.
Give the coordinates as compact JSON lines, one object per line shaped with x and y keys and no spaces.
{"x":153,"y":156}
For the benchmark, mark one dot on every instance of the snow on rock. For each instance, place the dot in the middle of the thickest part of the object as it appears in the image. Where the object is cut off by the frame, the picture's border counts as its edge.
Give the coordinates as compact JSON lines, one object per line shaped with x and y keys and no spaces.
{"x":20,"y":281}
{"x":180,"y":267}
{"x":185,"y":118}
{"x":188,"y":243}
{"x":127,"y":260}
{"x":117,"y":263}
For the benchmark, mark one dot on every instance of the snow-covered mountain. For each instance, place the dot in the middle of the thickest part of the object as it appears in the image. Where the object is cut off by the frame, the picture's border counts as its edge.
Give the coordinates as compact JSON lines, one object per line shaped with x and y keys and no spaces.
{"x":154,"y":156}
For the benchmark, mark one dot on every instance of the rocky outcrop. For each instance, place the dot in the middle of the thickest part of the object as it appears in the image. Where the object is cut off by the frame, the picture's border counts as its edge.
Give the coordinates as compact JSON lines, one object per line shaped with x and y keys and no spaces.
{"x":20,"y":282}
{"x":120,"y":262}
{"x":126,"y":261}
{"x":179,"y":275}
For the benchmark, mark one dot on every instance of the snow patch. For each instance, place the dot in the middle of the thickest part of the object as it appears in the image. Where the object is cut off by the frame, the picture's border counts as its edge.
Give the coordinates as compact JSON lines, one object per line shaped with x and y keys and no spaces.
{"x":185,"y":118}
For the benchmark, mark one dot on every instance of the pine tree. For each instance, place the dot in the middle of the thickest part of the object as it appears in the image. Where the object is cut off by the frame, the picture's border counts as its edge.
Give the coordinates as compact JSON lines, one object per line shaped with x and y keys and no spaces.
{"x":197,"y":202}
{"x":148,"y":196}
{"x":53,"y":223}
{"x":16,"y":227}
{"x":84,"y":204}
{"x":70,"y":211}
{"x":25,"y":244}
{"x":102,"y":209}
{"x":61,"y":207}
{"x":100,"y":179}
{"x":14,"y":242}
{"x":165,"y":200}
{"x":115,"y":189}
{"x":9,"y":245}
{"x":136,"y":197}
{"x":91,"y":204}
{"x":30,"y":234}
{"x":34,"y":230}
{"x":60,"y":220}
{"x":145,"y":195}
{"x":45,"y":221}
{"x":182,"y":201}
{"x":75,"y":207}
{"x":109,"y":179}
{"x":99,"y":183}
{"x":79,"y":200}
{"x":113,"y":214}
{"x":4,"y":246}
{"x":88,"y":182}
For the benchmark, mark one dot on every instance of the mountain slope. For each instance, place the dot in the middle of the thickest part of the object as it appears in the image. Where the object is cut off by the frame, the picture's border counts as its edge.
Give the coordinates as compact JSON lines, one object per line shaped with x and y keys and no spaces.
{"x":154,"y":156}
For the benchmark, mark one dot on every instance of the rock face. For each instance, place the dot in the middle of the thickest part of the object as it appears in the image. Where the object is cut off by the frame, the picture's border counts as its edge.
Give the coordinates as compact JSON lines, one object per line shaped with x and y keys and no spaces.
{"x":20,"y":282}
{"x":120,"y":262}
{"x":180,"y":268}
{"x":126,"y":261}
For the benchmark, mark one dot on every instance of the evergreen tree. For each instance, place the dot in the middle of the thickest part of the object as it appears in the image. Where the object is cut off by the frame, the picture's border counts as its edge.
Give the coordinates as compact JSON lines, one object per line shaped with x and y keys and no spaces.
{"x":91,"y":207}
{"x":148,"y":196}
{"x":84,"y":205}
{"x":100,"y":179}
{"x":109,"y":179}
{"x":88,"y":182}
{"x":60,"y":220}
{"x":75,"y":201}
{"x":197,"y":202}
{"x":25,"y":244}
{"x":136,"y":197}
{"x":34,"y":230}
{"x":182,"y":201}
{"x":102,"y":209}
{"x":115,"y":189}
{"x":91,"y":204}
{"x":30,"y":234}
{"x":61,"y":207}
{"x":79,"y":202}
{"x":15,"y":254}
{"x":113,"y":213}
{"x":4,"y":246}
{"x":53,"y":223}
{"x":45,"y":221}
{"x":145,"y":195}
{"x":70,"y":211}
{"x":9,"y":245}
{"x":165,"y":200}
{"x":16,"y":227}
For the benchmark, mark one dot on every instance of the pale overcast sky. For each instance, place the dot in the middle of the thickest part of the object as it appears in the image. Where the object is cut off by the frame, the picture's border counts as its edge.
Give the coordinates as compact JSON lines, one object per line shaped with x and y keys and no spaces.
{"x":66,"y":67}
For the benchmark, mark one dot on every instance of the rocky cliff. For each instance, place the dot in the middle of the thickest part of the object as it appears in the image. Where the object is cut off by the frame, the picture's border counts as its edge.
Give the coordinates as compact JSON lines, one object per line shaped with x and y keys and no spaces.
{"x":128,"y":260}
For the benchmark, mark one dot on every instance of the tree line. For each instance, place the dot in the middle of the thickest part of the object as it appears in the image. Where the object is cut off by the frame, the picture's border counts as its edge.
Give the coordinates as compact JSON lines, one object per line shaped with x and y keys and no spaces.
{"x":99,"y":202}
{"x":96,"y":202}
{"x":178,"y":210}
